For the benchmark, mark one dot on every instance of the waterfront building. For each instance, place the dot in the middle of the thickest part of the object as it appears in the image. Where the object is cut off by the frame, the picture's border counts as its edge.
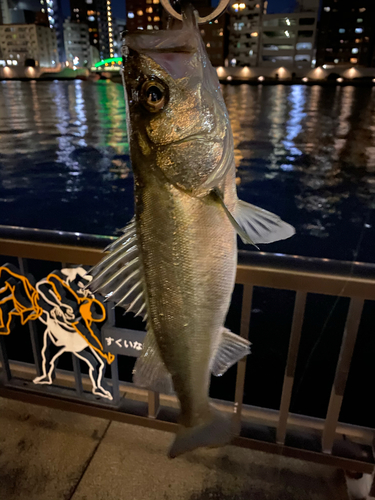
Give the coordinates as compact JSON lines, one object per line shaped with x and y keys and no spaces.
{"x":215,"y":37}
{"x":53,"y":9}
{"x":4,"y":12}
{"x":119,"y":25}
{"x":97,"y":15}
{"x":347,"y":33}
{"x":41,"y":12}
{"x":288,"y":40}
{"x":79,"y":52}
{"x":244,"y":29}
{"x":28,"y":45}
{"x":143,"y":15}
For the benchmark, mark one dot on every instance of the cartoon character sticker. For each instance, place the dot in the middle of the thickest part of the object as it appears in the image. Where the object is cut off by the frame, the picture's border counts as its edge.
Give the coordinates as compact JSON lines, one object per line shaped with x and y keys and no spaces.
{"x":69,"y":312}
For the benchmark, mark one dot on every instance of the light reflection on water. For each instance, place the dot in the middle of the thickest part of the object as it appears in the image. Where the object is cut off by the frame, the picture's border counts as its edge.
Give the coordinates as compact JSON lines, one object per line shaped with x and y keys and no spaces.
{"x":305,"y":153}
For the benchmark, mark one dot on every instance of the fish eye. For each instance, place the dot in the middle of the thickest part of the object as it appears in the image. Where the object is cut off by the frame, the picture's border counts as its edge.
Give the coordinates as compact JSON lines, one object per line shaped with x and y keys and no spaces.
{"x":154,"y":95}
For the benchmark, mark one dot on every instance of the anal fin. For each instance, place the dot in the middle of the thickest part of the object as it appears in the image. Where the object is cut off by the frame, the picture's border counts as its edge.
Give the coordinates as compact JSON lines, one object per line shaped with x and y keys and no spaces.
{"x":231,"y":349}
{"x":150,"y":371}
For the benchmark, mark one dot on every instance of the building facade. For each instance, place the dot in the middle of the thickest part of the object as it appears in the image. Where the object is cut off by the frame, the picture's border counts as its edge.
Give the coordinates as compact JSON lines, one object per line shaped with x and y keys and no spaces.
{"x":244,"y":29}
{"x":53,"y":9}
{"x":28,"y":44}
{"x":97,"y":15}
{"x":288,"y":40}
{"x":78,"y":50}
{"x":346,"y":33}
{"x":258,"y":39}
{"x":143,"y":15}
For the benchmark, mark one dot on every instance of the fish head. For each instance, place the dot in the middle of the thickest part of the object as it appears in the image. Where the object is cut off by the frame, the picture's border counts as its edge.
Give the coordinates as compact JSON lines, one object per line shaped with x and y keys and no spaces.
{"x":176,"y":115}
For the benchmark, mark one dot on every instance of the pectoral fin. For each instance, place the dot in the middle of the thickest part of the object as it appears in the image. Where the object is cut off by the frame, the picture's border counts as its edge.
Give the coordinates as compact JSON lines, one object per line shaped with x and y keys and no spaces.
{"x":256,"y":225}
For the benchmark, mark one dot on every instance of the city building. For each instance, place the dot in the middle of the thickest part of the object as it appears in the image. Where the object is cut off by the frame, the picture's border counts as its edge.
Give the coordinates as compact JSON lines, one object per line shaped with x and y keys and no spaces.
{"x":53,"y":9}
{"x":41,"y":12}
{"x":244,"y":28}
{"x":143,"y":15}
{"x":4,"y":12}
{"x":118,"y":25}
{"x":28,"y":45}
{"x":288,"y":40}
{"x":215,"y":37}
{"x":97,"y":15}
{"x":79,"y":52}
{"x":346,"y":33}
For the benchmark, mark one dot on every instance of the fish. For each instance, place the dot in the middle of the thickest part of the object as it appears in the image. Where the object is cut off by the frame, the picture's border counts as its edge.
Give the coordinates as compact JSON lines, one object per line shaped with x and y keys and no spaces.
{"x":175,"y":262}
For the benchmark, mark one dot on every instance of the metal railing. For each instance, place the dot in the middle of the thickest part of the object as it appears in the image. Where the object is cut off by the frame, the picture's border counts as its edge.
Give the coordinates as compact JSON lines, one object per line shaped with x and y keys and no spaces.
{"x":334,"y":443}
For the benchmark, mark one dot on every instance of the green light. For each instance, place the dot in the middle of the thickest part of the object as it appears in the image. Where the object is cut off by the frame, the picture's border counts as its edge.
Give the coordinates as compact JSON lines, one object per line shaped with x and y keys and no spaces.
{"x":108,"y":61}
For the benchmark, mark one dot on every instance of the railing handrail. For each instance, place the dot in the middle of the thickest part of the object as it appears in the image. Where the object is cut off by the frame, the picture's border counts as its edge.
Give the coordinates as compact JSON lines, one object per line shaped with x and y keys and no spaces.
{"x":274,"y":270}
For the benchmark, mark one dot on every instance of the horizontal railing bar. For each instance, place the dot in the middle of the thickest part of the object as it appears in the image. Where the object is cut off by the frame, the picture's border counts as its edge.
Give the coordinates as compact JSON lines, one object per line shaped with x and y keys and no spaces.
{"x":257,"y":269}
{"x":154,"y":423}
{"x":270,"y":417}
{"x":50,"y":252}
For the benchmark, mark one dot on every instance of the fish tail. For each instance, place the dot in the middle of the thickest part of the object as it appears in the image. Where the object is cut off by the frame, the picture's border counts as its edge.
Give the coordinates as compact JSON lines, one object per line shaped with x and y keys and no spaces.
{"x":217,"y":431}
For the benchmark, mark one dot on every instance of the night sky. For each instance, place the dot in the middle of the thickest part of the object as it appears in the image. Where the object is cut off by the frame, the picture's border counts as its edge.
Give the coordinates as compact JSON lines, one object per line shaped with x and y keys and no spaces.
{"x":118,"y":7}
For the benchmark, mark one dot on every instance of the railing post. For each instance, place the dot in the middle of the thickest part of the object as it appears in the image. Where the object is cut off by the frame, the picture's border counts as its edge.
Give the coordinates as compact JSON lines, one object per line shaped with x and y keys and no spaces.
{"x":295,"y":336}
{"x":32,"y":328}
{"x":342,"y":371}
{"x":6,"y":374}
{"x":241,"y":366}
{"x":153,"y":404}
{"x":77,"y":375}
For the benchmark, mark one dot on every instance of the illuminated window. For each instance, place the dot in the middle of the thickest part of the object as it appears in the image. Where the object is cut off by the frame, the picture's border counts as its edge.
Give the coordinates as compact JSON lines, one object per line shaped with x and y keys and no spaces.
{"x":336,"y":61}
{"x":208,"y":45}
{"x":131,"y":15}
{"x":357,"y":40}
{"x":140,"y":12}
{"x":355,"y":50}
{"x":156,"y":18}
{"x":156,"y":27}
{"x":362,"y":9}
{"x":254,"y":34}
{"x":359,"y":20}
{"x":91,"y":18}
{"x":359,"y":30}
{"x":156,"y":1}
{"x":341,"y":30}
{"x":327,"y":9}
{"x":149,"y":18}
{"x":353,"y":60}
{"x":91,"y":12}
{"x":149,"y":27}
{"x":304,"y":46}
{"x":149,"y":10}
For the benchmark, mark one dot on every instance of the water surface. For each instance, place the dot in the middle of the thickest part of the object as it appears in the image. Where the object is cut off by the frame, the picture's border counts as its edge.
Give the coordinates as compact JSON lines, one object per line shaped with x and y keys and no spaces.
{"x":305,"y":153}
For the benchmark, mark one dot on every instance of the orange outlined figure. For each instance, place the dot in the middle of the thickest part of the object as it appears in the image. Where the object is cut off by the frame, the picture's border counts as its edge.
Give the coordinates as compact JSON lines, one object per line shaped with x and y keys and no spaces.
{"x":18,"y":297}
{"x":70,"y":314}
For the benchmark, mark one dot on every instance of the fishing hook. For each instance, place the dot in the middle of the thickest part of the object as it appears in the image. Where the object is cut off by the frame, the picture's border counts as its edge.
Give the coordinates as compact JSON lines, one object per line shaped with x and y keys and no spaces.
{"x":201,"y":20}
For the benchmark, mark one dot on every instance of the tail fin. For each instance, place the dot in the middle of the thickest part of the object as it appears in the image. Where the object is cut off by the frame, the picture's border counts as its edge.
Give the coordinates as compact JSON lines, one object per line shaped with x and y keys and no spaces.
{"x":217,"y":431}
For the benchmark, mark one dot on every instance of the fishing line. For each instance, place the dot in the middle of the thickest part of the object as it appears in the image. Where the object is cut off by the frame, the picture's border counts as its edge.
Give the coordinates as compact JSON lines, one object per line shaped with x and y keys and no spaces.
{"x":312,"y":352}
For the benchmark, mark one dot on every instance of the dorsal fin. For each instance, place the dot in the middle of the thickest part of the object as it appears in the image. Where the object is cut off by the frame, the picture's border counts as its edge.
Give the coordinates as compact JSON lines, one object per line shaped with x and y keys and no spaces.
{"x":119,"y":275}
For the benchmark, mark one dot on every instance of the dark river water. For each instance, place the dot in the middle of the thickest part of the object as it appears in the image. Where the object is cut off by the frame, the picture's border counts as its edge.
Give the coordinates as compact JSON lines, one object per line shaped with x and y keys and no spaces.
{"x":305,"y":153}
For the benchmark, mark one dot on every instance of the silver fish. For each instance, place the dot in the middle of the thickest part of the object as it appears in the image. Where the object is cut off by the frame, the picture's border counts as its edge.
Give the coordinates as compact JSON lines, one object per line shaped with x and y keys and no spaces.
{"x":175,"y":264}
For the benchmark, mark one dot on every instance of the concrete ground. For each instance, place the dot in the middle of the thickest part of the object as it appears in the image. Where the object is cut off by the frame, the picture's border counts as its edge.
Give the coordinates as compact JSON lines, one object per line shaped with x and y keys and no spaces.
{"x":49,"y":454}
